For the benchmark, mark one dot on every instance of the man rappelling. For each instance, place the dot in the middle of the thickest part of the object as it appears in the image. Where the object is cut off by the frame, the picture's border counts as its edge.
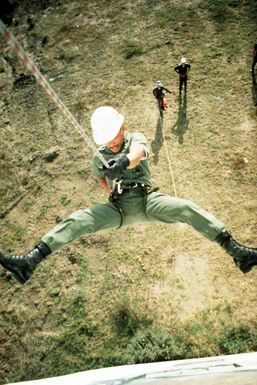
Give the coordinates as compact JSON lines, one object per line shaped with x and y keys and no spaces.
{"x":131,"y":200}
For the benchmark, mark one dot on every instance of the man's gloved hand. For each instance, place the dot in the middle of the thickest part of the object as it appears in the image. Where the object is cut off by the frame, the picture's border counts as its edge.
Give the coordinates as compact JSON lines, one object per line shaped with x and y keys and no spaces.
{"x":121,"y":162}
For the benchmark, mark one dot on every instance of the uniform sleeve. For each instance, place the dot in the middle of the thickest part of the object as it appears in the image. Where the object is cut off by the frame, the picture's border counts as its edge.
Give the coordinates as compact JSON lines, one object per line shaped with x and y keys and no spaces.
{"x":96,"y":167}
{"x":138,"y":138}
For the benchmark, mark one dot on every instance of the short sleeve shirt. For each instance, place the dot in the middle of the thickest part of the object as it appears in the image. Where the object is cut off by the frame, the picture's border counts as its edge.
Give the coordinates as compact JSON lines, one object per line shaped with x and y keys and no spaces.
{"x":138,"y":174}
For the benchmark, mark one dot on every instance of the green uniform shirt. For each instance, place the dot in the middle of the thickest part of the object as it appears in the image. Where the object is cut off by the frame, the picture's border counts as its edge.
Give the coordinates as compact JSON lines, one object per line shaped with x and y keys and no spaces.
{"x":138,"y":174}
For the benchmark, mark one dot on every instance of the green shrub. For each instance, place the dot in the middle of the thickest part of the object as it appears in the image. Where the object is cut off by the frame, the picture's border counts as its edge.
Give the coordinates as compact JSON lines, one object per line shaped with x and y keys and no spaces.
{"x":155,"y":345}
{"x":238,"y":339}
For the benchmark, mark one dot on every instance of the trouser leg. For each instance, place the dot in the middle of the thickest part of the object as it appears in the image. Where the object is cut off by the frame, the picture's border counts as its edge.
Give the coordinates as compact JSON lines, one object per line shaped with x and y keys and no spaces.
{"x":180,"y":84}
{"x":170,"y":210}
{"x":159,"y":102}
{"x":82,"y":222}
{"x":185,"y":84}
{"x":165,"y":208}
{"x":99,"y":217}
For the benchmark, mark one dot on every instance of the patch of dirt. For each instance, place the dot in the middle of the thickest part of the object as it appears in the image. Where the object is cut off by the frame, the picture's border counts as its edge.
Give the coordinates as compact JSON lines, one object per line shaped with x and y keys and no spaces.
{"x":196,"y":282}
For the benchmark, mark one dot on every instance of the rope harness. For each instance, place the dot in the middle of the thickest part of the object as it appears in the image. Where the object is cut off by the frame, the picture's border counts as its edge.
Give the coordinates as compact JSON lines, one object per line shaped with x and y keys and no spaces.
{"x":119,"y":188}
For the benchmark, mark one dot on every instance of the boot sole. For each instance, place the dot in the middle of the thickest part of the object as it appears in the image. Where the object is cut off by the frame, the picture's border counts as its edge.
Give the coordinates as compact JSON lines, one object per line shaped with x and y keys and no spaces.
{"x":20,"y":279}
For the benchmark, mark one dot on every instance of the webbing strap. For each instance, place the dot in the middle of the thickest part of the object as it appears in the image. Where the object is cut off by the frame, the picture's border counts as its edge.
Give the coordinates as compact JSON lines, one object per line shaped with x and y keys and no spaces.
{"x":40,"y":78}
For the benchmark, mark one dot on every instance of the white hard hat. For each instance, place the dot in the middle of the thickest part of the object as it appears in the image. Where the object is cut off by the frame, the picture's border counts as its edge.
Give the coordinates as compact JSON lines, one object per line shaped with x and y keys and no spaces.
{"x":183,"y":60}
{"x":105,"y":123}
{"x":158,"y":82}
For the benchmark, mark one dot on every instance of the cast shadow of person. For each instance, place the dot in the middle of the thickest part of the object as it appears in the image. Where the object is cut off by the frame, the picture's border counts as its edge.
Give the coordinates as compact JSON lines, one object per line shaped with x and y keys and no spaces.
{"x":181,"y":125}
{"x":157,"y":143}
{"x":254,"y":89}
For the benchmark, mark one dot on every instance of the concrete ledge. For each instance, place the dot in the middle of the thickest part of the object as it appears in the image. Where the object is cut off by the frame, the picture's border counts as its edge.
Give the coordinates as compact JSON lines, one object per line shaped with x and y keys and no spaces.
{"x":236,"y":369}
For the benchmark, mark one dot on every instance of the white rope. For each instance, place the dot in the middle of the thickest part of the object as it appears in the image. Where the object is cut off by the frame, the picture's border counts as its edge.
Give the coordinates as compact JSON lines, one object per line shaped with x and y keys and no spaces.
{"x":31,"y":67}
{"x":168,"y":157}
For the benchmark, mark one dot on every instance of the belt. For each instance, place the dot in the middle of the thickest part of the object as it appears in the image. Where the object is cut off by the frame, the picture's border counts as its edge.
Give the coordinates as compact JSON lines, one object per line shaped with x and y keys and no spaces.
{"x":119,"y":187}
{"x":146,"y":188}
{"x":131,"y":186}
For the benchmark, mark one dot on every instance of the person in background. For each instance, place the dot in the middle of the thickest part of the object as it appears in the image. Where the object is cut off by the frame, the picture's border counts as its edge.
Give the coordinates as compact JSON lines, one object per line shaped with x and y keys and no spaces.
{"x":158,"y":92}
{"x":182,"y":69}
{"x":132,"y":200}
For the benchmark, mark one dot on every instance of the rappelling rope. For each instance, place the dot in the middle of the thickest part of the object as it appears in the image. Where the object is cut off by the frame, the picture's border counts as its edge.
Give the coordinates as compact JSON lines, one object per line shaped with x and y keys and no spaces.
{"x":174,"y":238}
{"x":31,"y":67}
{"x":168,"y":157}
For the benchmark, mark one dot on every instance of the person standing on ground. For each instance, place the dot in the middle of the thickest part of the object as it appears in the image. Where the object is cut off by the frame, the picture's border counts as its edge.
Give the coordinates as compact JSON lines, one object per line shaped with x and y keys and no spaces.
{"x":158,"y":92}
{"x":132,"y":200}
{"x":254,"y":57}
{"x":182,"y":69}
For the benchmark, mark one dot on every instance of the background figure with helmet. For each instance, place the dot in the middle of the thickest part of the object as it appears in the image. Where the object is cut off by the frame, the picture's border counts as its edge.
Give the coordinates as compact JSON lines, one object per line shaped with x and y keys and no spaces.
{"x":158,"y":92}
{"x":182,"y":69}
{"x":127,"y":174}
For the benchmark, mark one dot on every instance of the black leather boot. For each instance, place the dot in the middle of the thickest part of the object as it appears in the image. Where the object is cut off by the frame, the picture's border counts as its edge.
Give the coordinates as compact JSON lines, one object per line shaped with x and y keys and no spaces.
{"x":22,"y":266}
{"x":244,"y":257}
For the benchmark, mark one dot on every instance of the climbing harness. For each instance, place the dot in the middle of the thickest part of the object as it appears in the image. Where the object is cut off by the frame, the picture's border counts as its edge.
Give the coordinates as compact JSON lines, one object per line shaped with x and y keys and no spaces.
{"x":119,"y":187}
{"x":116,"y":187}
{"x":40,"y":78}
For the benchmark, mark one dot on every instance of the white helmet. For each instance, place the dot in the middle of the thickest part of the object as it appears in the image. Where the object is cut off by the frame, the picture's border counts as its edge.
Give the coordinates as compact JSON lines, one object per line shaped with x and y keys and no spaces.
{"x":158,"y":83}
{"x":105,"y":123}
{"x":183,"y":60}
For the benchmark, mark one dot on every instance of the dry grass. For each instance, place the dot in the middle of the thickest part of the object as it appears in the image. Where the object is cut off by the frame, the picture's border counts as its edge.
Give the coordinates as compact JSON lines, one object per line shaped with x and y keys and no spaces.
{"x":65,"y":318}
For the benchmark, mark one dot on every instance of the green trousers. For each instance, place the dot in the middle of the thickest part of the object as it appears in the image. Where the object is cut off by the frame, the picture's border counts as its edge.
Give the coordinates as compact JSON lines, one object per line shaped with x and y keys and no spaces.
{"x":136,"y":207}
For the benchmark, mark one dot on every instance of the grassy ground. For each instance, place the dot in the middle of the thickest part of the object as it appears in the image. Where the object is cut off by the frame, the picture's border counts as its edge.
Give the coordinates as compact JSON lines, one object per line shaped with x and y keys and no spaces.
{"x":148,"y":293}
